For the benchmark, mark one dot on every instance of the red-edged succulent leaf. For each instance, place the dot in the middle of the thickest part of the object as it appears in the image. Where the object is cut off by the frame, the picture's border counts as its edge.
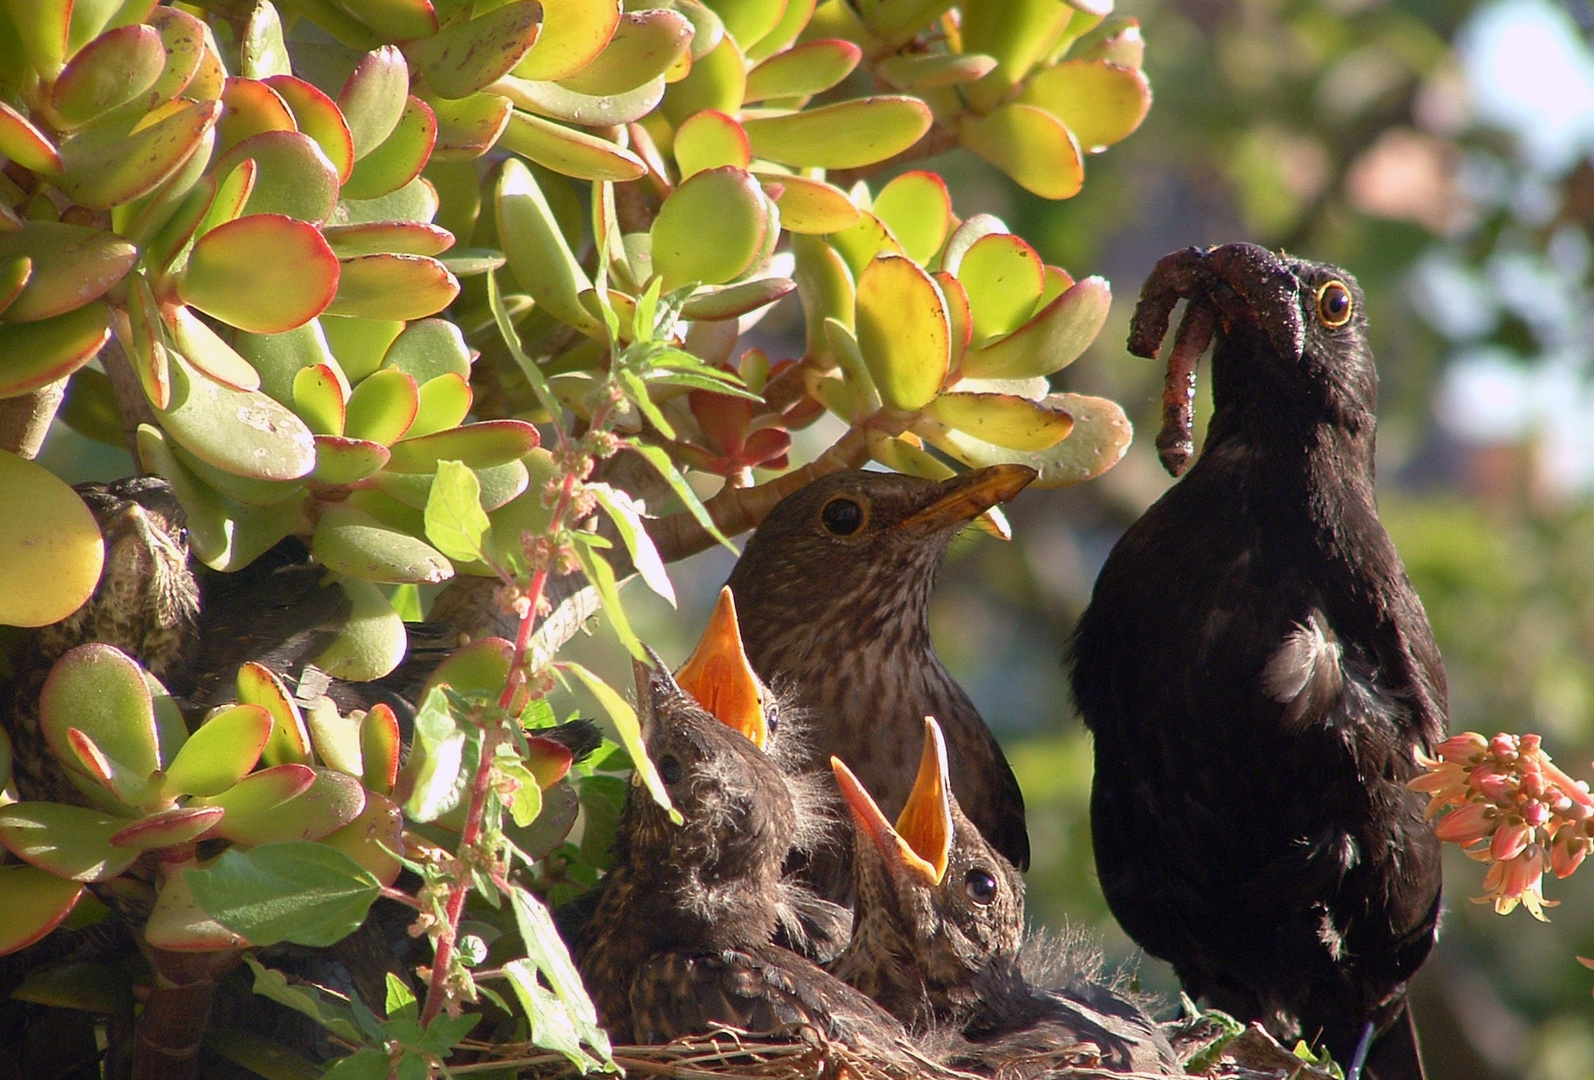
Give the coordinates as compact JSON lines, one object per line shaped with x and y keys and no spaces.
{"x":264,"y":273}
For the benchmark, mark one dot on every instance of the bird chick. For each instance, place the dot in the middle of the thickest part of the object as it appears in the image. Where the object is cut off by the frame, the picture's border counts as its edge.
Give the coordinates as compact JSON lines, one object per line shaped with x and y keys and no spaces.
{"x":682,"y":933}
{"x":720,"y":678}
{"x":834,"y":591}
{"x":938,"y":939}
{"x":1258,"y":673}
{"x":147,"y":599}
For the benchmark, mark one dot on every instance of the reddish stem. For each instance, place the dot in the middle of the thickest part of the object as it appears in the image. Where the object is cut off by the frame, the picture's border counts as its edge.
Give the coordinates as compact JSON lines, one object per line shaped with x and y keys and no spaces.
{"x":481,"y":784}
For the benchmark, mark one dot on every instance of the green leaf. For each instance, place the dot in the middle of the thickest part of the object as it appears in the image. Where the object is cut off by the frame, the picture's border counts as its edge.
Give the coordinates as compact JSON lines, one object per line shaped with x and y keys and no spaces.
{"x":455,"y":520}
{"x":303,"y":998}
{"x":630,"y":729}
{"x":436,"y":760}
{"x":528,"y":366}
{"x":564,"y":1018}
{"x":644,"y":556}
{"x":601,"y":574}
{"x":656,"y":456}
{"x":294,"y":891}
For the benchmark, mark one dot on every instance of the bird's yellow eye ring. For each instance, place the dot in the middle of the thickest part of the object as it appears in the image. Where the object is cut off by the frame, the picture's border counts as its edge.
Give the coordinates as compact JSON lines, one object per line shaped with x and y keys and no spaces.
{"x":843,"y":516}
{"x":1334,"y":304}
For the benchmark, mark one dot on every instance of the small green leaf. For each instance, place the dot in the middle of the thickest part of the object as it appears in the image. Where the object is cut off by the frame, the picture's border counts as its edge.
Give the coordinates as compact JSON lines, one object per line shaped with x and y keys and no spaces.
{"x":436,"y":763}
{"x":303,"y":998}
{"x":656,"y":456}
{"x":455,"y":520}
{"x":628,"y":522}
{"x":630,"y":730}
{"x":565,"y":1018}
{"x":296,"y":891}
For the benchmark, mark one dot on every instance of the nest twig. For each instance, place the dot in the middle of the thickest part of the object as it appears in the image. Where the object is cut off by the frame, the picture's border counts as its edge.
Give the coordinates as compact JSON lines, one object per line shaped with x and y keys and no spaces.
{"x":732,"y":1054}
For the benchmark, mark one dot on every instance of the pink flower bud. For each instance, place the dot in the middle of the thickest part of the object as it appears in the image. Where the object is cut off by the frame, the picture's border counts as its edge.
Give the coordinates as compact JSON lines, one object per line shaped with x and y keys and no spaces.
{"x":1504,"y":746}
{"x":1535,"y":813}
{"x":1510,"y":839}
{"x":1533,"y":784}
{"x":1458,"y":748}
{"x":1493,"y":784}
{"x":1467,"y":824}
{"x":1567,"y":852}
{"x":1530,"y":744}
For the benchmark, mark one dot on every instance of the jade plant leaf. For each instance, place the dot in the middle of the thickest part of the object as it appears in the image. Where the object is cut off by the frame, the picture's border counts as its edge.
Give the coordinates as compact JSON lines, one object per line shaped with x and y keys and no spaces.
{"x":264,"y":273}
{"x":177,"y":825}
{"x":35,"y":901}
{"x":725,"y":202}
{"x":287,"y":802}
{"x":469,"y":55}
{"x":903,"y":331}
{"x":241,"y":432}
{"x":356,"y":544}
{"x":1050,"y":341}
{"x":219,"y":753}
{"x":393,"y":287}
{"x":289,"y":741}
{"x":372,"y":640}
{"x":71,"y":265}
{"x":98,"y":690}
{"x":845,"y":135}
{"x":50,"y":546}
{"x":34,"y":354}
{"x":69,"y":841}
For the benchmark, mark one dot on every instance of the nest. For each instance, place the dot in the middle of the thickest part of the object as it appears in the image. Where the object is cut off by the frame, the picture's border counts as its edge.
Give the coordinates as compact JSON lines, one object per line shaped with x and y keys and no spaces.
{"x":732,"y":1054}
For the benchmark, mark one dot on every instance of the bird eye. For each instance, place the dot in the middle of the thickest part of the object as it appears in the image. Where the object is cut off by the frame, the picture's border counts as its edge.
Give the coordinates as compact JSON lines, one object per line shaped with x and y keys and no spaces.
{"x":1334,"y":304}
{"x":670,"y":769}
{"x":980,"y":886}
{"x":842,"y":516}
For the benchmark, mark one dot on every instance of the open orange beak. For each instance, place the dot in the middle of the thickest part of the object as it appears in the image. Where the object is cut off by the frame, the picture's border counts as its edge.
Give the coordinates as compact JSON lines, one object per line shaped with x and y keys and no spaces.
{"x":965,"y":497}
{"x":719,"y":676}
{"x":922,"y":838}
{"x":895,"y":850}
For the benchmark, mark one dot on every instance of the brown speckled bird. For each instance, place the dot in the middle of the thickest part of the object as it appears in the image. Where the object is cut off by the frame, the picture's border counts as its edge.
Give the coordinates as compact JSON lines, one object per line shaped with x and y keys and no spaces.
{"x":938,"y":934}
{"x":834,"y":594}
{"x":681,"y":940}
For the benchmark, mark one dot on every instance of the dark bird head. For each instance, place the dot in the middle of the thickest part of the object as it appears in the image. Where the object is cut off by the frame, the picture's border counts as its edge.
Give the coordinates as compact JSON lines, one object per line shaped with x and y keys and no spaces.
{"x":1291,"y":353}
{"x":717,"y":873}
{"x":939,"y":913}
{"x":147,"y":599}
{"x":855,"y":553}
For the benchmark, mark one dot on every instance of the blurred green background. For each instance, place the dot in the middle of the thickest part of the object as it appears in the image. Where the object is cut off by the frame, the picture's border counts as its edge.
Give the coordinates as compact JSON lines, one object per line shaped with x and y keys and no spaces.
{"x":1440,"y":151}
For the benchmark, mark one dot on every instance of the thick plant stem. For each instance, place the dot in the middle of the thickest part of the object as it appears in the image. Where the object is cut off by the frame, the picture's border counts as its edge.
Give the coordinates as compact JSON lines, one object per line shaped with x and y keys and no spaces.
{"x":26,"y":419}
{"x":167,"y":1037}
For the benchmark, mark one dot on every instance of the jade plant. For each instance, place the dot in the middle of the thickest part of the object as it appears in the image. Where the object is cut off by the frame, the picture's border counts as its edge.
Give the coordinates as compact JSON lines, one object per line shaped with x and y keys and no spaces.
{"x":412,"y":280}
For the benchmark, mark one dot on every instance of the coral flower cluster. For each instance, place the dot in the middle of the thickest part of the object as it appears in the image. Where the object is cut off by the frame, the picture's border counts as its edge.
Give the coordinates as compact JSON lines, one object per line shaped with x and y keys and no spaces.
{"x":1510,"y":806}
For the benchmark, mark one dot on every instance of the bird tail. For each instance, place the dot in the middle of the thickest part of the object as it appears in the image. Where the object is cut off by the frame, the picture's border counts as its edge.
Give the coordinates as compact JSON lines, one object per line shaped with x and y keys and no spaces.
{"x":1395,"y":1054}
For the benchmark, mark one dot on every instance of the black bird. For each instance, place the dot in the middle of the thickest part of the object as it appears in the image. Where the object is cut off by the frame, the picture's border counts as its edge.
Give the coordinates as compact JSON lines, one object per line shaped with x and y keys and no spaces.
{"x":834,"y":594}
{"x":681,"y":940}
{"x":1258,"y":673}
{"x":938,"y":939}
